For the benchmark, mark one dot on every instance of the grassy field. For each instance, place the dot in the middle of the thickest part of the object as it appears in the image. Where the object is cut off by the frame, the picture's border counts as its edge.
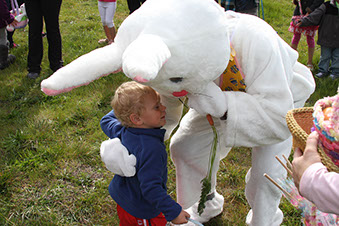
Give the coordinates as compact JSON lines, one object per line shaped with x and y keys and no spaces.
{"x":50,"y":167}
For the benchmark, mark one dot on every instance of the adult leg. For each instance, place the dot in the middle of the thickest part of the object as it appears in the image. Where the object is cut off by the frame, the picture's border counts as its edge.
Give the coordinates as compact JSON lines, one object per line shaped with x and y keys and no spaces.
{"x":35,"y":45}
{"x":262,"y":195}
{"x":190,"y":150}
{"x":51,"y":11}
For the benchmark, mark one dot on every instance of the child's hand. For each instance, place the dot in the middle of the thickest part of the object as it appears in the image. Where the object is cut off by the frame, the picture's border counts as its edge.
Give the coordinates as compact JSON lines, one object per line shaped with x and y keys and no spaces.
{"x":301,"y":161}
{"x":14,"y":23}
{"x":298,"y":23}
{"x":182,"y":218}
{"x":308,"y":10}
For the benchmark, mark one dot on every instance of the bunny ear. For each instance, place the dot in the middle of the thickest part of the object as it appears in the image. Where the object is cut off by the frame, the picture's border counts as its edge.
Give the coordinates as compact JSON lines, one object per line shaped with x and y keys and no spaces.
{"x":144,"y":57}
{"x":84,"y":70}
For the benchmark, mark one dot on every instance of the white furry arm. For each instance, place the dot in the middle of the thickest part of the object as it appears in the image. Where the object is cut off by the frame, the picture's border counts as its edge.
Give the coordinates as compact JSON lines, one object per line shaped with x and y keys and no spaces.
{"x":116,"y":158}
{"x":211,"y":101}
{"x":84,"y":70}
{"x":257,"y":117}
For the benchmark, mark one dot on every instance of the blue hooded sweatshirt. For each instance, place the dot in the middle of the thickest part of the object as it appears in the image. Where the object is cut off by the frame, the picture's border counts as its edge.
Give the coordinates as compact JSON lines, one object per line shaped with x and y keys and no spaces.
{"x":145,"y":194}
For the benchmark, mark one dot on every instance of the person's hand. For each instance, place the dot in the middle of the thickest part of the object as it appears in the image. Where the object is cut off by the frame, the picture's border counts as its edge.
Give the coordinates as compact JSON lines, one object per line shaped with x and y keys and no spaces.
{"x":298,"y":23}
{"x":14,"y":23}
{"x":308,"y":10}
{"x":210,"y":101}
{"x":301,"y":161}
{"x":181,"y":218}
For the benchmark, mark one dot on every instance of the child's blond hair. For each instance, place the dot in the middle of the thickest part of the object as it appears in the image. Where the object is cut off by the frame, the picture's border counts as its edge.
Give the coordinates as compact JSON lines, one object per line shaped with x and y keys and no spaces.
{"x":129,"y":99}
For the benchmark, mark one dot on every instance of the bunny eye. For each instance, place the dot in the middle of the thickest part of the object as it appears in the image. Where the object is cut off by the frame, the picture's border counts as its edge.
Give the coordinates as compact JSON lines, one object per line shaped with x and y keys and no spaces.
{"x":176,"y":79}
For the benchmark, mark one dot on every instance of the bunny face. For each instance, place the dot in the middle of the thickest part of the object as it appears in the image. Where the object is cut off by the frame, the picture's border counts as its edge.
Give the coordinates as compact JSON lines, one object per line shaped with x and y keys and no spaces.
{"x":187,"y":69}
{"x":190,"y":70}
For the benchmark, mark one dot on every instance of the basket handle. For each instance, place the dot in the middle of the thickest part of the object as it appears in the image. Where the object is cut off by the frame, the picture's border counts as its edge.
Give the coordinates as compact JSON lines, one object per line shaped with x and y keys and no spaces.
{"x":15,"y":7}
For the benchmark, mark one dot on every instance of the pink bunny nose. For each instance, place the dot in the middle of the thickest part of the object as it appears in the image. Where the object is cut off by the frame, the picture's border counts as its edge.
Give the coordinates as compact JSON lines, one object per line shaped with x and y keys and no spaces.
{"x":182,"y":93}
{"x":140,"y":79}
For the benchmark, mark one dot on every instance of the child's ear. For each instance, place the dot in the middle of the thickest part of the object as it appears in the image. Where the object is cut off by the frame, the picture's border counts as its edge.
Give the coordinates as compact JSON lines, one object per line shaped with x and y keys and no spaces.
{"x":135,"y":119}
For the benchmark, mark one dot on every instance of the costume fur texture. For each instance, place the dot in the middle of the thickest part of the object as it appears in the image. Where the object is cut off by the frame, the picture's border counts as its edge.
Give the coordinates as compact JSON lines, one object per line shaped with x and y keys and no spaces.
{"x":180,"y":48}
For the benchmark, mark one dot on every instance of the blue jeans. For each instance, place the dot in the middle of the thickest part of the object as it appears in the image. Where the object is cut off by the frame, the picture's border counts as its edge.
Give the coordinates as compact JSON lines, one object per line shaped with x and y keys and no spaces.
{"x":329,"y":55}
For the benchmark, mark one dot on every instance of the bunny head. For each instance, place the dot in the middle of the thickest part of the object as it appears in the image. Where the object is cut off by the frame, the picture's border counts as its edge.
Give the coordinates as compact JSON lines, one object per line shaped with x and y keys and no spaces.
{"x":175,"y":46}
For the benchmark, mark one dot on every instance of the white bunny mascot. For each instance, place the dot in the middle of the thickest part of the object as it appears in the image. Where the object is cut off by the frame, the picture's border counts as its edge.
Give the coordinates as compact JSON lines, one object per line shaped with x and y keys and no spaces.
{"x":180,"y":48}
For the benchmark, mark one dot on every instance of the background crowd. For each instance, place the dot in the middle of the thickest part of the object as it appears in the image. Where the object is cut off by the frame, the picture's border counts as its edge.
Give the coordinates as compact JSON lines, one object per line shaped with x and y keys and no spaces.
{"x":308,"y":17}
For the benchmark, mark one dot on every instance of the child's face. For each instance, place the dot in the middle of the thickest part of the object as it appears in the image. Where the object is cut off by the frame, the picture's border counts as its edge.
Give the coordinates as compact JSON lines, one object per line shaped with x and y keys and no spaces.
{"x":153,"y":116}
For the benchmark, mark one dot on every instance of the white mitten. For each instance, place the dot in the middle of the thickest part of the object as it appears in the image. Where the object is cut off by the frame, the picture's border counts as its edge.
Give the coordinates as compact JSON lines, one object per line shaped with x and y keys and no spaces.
{"x":116,"y":158}
{"x":210,"y":101}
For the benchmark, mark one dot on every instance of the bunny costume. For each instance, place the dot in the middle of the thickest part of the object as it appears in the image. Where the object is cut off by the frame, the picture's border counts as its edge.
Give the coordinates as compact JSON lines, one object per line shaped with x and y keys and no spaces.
{"x":180,"y":48}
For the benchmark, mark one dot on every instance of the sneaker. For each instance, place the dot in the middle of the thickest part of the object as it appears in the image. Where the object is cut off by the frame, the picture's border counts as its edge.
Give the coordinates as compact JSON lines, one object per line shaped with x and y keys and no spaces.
{"x":321,"y":75}
{"x":334,"y":77}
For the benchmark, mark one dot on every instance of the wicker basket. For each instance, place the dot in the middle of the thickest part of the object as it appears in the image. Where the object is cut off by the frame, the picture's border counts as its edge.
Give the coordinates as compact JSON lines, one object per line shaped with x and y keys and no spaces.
{"x":300,"y":123}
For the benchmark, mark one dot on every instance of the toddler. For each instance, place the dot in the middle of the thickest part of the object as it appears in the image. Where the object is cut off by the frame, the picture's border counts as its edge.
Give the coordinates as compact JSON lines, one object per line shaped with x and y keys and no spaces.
{"x":136,"y":119}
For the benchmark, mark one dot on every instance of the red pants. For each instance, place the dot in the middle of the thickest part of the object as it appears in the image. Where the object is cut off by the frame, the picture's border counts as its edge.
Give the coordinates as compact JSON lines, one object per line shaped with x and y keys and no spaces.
{"x":127,"y":219}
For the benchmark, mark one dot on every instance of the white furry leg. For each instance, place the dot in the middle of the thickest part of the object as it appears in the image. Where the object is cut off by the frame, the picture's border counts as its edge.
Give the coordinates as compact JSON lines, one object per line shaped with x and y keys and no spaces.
{"x":277,"y":220}
{"x":263,"y":196}
{"x":213,"y":208}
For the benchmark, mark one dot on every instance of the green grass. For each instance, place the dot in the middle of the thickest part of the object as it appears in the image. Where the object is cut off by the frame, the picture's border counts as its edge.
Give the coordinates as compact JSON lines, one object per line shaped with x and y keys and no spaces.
{"x":51,"y":172}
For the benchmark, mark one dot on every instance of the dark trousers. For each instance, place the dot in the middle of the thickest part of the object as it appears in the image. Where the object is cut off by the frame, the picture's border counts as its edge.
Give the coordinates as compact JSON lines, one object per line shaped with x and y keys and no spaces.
{"x":134,"y":5}
{"x":37,"y":12}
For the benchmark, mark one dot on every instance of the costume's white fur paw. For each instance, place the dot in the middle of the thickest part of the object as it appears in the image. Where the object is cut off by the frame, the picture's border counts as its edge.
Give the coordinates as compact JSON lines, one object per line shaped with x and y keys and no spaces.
{"x":277,"y":220}
{"x":213,"y":208}
{"x":210,"y":101}
{"x":117,"y":159}
{"x":188,"y":224}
